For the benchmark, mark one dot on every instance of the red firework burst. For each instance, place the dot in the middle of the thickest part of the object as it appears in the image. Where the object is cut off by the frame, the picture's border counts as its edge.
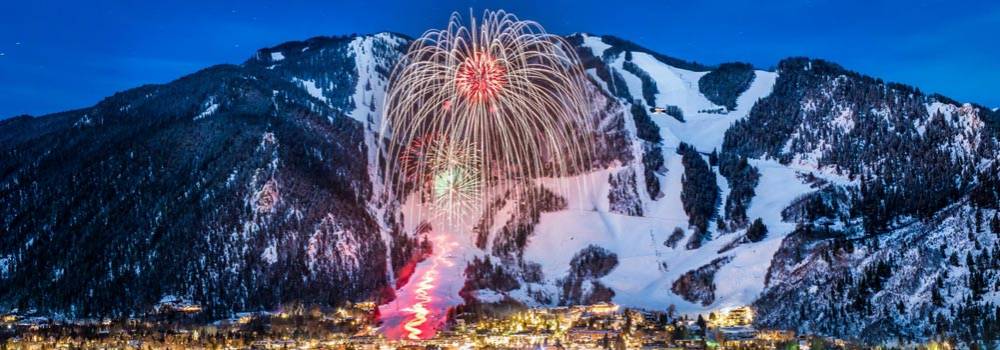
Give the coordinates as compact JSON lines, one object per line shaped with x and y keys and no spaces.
{"x":480,"y":77}
{"x":416,"y":156}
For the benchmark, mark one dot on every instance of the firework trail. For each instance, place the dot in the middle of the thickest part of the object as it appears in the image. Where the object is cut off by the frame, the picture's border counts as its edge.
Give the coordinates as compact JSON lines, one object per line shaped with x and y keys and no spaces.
{"x":473,"y":108}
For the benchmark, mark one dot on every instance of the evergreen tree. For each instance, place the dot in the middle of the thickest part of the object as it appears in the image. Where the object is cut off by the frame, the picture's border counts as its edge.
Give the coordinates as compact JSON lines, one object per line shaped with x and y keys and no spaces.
{"x":757,"y":231}
{"x":743,"y":178}
{"x":649,"y":89}
{"x":724,"y":84}
{"x":699,"y":193}
{"x":652,"y":156}
{"x":703,"y":325}
{"x":995,"y":224}
{"x":936,"y":298}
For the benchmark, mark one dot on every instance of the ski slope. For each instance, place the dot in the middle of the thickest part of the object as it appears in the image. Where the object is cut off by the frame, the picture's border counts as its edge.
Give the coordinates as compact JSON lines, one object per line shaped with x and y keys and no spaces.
{"x":647,"y":268}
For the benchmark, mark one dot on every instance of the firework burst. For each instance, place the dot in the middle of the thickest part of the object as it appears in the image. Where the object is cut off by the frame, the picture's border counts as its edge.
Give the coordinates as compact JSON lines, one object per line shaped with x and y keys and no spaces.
{"x":418,"y":156}
{"x":454,"y":180}
{"x":474,"y":106}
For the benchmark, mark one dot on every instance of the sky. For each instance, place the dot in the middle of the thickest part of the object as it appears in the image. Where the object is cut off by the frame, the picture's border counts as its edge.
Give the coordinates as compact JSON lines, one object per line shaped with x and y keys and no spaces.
{"x":61,"y":55}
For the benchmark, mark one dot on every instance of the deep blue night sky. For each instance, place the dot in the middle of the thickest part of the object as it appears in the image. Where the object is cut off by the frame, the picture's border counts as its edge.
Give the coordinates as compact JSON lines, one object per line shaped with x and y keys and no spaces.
{"x":59,"y":55}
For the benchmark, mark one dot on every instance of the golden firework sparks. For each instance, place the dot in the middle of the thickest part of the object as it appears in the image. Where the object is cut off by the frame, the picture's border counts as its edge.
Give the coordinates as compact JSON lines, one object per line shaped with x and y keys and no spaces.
{"x":500,"y":100}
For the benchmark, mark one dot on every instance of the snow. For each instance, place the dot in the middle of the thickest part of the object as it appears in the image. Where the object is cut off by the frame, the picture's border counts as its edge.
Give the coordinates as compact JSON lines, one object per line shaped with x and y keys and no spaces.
{"x":596,"y":45}
{"x":6,"y":263}
{"x":593,"y":75}
{"x":707,"y":131}
{"x":311,"y":88}
{"x":277,"y":56}
{"x":638,"y":241}
{"x":210,"y":108}
{"x":366,"y":64}
{"x":779,"y":186}
{"x":963,"y":117}
{"x":679,"y":87}
{"x":488,"y":296}
{"x":270,"y":254}
{"x":639,"y":279}
{"x":169,"y":298}
{"x":174,"y":299}
{"x":331,"y":243}
{"x":368,"y":110}
{"x":83,"y":121}
{"x":845,"y":120}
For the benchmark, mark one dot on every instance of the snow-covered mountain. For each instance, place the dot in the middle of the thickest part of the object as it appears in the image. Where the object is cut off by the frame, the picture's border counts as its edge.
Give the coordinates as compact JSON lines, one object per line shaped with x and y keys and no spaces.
{"x":831,"y":201}
{"x":633,"y":208}
{"x":239,"y":187}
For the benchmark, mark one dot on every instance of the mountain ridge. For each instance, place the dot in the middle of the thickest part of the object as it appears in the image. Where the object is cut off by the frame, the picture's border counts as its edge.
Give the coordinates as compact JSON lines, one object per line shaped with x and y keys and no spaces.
{"x":275,"y":158}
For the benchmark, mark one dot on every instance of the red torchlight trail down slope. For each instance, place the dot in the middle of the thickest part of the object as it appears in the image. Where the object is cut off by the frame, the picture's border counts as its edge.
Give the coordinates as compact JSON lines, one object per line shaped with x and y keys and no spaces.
{"x":421,"y":305}
{"x":419,"y":309}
